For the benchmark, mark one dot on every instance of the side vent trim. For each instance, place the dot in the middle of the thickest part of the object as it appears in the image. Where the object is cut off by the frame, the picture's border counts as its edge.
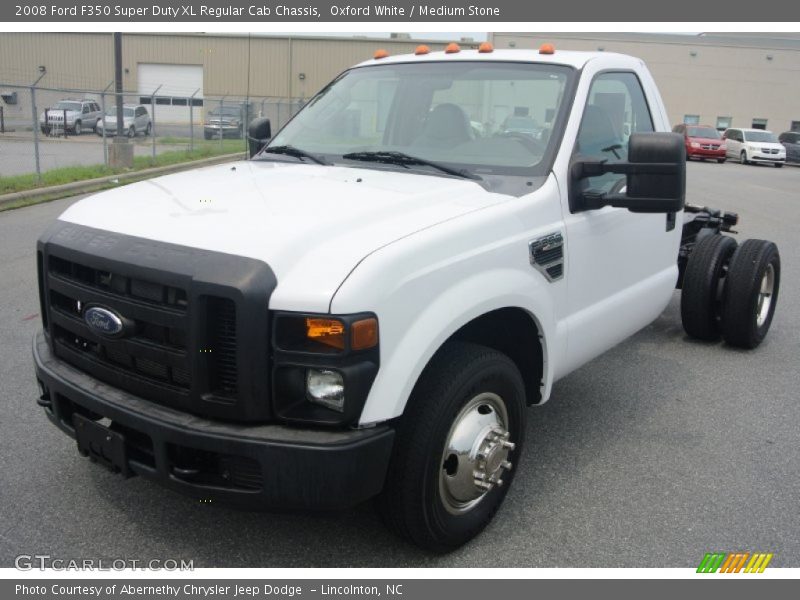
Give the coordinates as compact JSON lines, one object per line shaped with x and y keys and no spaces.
{"x":547,"y":256}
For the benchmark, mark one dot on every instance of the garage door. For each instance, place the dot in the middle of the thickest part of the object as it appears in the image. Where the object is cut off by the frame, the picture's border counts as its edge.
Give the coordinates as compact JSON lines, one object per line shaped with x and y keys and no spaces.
{"x":178,"y":83}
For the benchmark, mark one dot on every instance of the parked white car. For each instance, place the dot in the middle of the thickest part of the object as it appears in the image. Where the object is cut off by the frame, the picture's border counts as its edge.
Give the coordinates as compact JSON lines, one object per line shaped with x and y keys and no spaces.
{"x":135,"y":119}
{"x":754,"y":146}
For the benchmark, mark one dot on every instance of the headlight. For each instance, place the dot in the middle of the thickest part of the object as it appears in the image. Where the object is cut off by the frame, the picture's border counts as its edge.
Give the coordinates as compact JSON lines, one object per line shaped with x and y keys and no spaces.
{"x":325,"y":387}
{"x":695,"y":144}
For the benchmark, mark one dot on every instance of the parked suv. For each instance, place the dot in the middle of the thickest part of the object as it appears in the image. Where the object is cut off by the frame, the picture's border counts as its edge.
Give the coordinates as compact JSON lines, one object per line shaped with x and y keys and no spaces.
{"x":79,"y":114}
{"x":754,"y":146}
{"x":702,"y":141}
{"x":227,"y":121}
{"x":135,"y":120}
{"x":791,"y":141}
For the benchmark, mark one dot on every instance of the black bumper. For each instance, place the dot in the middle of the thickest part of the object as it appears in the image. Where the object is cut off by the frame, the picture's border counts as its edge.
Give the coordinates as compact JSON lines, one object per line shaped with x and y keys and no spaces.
{"x":254,"y":466}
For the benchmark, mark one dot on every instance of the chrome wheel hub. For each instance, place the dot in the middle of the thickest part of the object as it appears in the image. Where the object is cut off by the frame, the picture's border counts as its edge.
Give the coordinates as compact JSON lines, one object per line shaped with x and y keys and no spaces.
{"x":765,"y":295}
{"x":476,"y":453}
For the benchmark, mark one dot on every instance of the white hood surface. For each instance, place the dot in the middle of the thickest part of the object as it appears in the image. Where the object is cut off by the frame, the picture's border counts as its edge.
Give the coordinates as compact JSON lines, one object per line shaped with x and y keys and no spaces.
{"x":311,"y":224}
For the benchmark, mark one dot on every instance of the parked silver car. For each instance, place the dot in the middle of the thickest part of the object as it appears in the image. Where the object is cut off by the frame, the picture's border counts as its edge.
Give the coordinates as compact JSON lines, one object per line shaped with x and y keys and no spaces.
{"x":135,"y":120}
{"x":75,"y":116}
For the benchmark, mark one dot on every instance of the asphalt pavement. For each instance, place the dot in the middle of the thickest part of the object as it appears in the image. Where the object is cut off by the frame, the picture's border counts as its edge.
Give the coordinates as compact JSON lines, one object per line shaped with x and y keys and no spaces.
{"x":655,"y":453}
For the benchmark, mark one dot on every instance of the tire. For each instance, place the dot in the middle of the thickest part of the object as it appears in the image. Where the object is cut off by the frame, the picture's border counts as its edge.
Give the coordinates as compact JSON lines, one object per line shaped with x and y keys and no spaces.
{"x":778,"y":165}
{"x":148,"y":130}
{"x":77,"y":129}
{"x":743,"y":158}
{"x":721,"y":160}
{"x":754,"y":270}
{"x":97,"y":128}
{"x":462,"y":383}
{"x":131,"y":131}
{"x":700,"y":296}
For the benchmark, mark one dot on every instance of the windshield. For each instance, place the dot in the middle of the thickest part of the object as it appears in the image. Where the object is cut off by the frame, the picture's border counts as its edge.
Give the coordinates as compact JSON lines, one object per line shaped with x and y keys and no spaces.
{"x":63,"y":105}
{"x":126,"y":112}
{"x":759,"y":136}
{"x":703,"y":132}
{"x":226,"y":111}
{"x":477,"y":117}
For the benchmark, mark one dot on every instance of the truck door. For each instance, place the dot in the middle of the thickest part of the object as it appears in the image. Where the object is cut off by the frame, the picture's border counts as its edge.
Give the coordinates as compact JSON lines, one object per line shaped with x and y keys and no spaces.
{"x":621,"y":266}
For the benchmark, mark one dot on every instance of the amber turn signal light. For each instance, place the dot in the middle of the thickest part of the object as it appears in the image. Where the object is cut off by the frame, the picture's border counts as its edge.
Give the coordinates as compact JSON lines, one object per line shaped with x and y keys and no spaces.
{"x":326,"y":331}
{"x":364,"y":334}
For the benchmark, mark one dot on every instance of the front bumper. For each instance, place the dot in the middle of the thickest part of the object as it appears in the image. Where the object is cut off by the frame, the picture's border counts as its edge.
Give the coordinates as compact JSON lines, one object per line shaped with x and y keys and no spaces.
{"x":772,"y":158}
{"x":705,"y":153}
{"x":254,"y":466}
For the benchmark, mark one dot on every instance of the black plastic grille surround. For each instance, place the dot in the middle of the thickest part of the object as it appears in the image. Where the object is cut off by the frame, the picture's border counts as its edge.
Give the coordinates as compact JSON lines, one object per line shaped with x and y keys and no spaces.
{"x":196,"y":328}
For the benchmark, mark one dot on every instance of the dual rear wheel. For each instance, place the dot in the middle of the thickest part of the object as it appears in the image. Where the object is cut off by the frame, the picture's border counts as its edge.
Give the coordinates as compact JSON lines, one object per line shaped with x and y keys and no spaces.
{"x":730,"y":290}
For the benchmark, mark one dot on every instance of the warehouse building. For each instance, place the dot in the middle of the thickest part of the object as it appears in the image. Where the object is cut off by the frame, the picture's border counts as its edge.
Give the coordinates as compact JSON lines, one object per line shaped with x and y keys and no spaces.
{"x":722,"y":80}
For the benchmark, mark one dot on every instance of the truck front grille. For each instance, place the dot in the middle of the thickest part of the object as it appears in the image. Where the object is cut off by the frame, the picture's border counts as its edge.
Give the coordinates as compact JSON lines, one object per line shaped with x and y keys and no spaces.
{"x":194,"y":323}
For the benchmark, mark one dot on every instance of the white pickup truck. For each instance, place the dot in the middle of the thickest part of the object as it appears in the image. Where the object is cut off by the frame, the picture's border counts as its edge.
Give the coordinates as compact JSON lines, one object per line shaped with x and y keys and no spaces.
{"x":367,"y":306}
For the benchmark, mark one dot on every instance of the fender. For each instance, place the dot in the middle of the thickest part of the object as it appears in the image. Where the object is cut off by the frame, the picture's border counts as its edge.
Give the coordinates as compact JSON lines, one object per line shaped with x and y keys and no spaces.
{"x":425,"y":287}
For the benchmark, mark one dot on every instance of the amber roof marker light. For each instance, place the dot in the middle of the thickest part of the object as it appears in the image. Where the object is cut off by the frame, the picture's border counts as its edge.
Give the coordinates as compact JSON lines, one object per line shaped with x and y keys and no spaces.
{"x":380,"y":53}
{"x":452,"y":48}
{"x":422,"y":49}
{"x":485,"y":48}
{"x":547,"y":49}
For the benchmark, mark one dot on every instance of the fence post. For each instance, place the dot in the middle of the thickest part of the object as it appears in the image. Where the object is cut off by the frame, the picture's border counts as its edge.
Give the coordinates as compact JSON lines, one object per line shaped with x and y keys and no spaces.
{"x":2,"y":121}
{"x":35,"y":121}
{"x":103,"y":122}
{"x":221,"y":135}
{"x":191,"y":120}
{"x":153,"y":120}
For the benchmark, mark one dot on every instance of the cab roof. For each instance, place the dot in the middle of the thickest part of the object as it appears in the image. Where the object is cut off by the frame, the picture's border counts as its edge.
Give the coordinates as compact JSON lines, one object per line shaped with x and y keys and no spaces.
{"x":570,"y":58}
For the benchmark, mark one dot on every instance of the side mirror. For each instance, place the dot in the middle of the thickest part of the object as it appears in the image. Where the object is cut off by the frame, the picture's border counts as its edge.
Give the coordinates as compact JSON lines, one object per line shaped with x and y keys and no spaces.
{"x":259,"y":132}
{"x":655,"y":172}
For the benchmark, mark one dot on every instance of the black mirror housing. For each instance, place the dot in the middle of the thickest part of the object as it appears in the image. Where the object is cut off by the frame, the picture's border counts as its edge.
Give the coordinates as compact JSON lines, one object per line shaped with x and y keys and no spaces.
{"x":259,"y":132}
{"x":655,"y":171}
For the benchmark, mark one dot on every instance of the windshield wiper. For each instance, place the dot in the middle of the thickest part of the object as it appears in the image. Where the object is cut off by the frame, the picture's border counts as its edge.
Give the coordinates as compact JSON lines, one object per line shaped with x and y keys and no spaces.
{"x":401,"y":158}
{"x":295,"y":152}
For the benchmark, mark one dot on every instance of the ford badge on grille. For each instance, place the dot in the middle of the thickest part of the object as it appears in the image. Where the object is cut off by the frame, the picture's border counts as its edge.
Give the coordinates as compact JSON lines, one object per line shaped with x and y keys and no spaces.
{"x":103,"y":321}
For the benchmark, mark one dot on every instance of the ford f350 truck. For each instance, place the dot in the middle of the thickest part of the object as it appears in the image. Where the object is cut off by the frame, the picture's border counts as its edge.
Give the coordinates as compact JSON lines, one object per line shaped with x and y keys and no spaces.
{"x":366,"y":307}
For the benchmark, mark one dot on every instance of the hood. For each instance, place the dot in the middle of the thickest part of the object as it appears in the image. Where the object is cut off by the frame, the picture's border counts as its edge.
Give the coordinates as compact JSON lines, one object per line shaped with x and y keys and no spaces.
{"x":311,"y":224}
{"x":704,"y":140}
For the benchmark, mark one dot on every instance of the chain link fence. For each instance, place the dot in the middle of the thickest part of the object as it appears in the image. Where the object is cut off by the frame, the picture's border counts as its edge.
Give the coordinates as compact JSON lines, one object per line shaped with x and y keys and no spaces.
{"x":44,"y":128}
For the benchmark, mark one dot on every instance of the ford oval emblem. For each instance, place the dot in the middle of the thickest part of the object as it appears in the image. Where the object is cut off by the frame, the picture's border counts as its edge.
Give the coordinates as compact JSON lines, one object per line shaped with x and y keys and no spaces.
{"x":103,"y":321}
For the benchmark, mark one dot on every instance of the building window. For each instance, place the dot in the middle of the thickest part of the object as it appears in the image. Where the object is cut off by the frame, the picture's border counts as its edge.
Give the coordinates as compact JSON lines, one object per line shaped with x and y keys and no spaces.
{"x":164,"y":101}
{"x":144,"y":99}
{"x":197,"y":102}
{"x":724,"y":123}
{"x":179,"y":101}
{"x":691,"y":119}
{"x":795,"y":126}
{"x":759,"y":123}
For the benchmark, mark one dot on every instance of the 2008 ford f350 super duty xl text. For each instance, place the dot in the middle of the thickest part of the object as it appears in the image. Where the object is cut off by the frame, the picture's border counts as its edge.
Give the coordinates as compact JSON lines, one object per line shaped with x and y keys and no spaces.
{"x":365,"y":308}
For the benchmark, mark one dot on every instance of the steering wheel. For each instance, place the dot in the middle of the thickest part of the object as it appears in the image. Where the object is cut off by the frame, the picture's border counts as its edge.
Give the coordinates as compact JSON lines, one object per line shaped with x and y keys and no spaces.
{"x":530,"y":143}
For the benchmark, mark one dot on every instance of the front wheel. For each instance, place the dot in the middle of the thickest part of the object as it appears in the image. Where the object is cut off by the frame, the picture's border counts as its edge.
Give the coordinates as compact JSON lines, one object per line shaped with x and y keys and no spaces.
{"x":77,"y":129}
{"x":743,"y":158}
{"x":751,"y":293}
{"x":131,"y":131}
{"x":457,"y":448}
{"x":778,"y":165}
{"x":148,"y":129}
{"x":721,"y":160}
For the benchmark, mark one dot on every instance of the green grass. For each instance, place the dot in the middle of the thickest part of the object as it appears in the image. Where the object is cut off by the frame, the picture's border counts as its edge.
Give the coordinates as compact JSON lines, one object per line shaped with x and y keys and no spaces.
{"x":20,"y":183}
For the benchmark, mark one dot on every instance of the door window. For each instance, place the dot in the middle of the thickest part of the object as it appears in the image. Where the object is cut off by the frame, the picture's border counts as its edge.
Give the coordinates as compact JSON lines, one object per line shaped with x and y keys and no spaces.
{"x":615,"y":109}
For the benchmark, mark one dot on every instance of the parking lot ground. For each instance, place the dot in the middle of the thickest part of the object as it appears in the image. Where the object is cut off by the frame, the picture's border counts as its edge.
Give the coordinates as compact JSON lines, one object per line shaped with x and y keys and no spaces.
{"x":655,"y":453}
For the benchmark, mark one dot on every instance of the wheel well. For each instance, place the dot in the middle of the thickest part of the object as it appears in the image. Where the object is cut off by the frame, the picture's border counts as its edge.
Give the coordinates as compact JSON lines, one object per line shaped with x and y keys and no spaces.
{"x":513,"y":332}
